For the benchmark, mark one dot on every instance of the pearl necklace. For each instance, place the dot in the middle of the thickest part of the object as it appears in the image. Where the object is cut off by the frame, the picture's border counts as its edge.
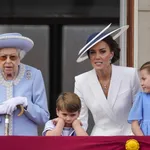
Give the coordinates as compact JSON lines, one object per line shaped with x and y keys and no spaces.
{"x":105,"y":86}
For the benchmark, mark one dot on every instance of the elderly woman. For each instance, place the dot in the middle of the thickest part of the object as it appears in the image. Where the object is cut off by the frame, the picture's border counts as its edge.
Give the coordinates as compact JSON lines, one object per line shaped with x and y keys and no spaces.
{"x":107,"y":90}
{"x":22,"y":85}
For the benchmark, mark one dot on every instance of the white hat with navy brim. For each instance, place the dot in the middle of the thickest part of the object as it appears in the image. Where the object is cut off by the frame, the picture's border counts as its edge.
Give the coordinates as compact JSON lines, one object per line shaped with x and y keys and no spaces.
{"x":98,"y":37}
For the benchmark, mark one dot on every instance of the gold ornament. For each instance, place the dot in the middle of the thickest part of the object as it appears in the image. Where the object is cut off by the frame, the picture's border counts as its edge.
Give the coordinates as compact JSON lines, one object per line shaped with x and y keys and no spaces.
{"x":132,"y":144}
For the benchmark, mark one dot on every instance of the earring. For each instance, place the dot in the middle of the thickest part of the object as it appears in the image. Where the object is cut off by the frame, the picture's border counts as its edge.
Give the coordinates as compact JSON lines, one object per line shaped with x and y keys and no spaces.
{"x":110,"y":59}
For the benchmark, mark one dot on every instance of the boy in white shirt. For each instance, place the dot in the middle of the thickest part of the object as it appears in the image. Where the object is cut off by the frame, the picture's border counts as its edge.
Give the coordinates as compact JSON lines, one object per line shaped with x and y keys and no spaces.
{"x":68,"y":108}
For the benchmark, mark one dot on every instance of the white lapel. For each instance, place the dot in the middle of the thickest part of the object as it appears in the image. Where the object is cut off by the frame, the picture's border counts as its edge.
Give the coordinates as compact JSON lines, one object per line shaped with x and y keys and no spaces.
{"x":99,"y":95}
{"x":114,"y":85}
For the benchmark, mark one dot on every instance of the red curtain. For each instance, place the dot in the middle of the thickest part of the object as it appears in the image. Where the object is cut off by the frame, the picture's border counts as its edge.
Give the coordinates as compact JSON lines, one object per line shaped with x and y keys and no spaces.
{"x":71,"y":143}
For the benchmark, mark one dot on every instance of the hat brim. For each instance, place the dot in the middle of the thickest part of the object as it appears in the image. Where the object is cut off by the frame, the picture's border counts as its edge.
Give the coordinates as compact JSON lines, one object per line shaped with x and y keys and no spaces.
{"x":83,"y":55}
{"x":19,"y":42}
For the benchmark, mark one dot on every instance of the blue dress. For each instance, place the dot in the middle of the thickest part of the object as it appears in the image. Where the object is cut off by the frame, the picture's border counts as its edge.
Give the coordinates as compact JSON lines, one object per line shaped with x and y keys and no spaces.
{"x":29,"y":83}
{"x":141,"y":112}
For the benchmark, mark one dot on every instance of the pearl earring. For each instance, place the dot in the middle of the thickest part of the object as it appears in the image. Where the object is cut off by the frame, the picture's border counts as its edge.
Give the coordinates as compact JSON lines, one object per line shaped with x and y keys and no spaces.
{"x":110,"y":59}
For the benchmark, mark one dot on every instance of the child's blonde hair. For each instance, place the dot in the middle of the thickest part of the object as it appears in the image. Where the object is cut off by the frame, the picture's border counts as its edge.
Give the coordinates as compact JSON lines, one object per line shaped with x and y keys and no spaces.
{"x":146,"y":66}
{"x":68,"y":101}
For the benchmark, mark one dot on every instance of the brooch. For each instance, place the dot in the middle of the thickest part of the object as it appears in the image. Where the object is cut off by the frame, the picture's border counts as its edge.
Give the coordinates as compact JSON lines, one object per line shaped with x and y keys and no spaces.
{"x":28,"y":74}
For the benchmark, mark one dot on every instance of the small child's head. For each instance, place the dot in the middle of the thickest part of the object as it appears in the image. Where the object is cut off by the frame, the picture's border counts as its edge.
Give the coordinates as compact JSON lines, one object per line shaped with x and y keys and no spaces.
{"x":145,"y":77}
{"x":68,"y":107}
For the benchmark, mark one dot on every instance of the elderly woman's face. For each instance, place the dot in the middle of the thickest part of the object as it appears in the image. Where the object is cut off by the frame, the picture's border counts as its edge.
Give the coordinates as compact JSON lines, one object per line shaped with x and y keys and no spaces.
{"x":9,"y":61}
{"x":100,"y":55}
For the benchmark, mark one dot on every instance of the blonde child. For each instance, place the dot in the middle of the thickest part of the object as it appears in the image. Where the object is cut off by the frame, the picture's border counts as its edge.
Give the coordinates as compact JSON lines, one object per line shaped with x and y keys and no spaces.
{"x":68,"y":107}
{"x":139,"y":116}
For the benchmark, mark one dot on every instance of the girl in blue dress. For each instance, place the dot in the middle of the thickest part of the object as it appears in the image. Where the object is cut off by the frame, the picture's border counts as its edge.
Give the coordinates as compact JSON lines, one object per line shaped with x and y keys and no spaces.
{"x":139,"y":115}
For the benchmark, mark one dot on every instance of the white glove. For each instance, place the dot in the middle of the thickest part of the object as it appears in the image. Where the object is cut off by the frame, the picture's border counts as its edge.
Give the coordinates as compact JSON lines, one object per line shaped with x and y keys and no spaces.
{"x":11,"y":104}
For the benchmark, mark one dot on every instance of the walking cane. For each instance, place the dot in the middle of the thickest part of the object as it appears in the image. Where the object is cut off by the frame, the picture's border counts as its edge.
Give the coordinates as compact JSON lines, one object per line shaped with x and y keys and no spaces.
{"x":7,"y":124}
{"x":7,"y":119}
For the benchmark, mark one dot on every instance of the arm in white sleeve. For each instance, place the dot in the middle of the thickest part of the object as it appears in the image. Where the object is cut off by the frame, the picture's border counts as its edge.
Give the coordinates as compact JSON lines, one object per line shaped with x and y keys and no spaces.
{"x":84,"y":110}
{"x":135,"y":84}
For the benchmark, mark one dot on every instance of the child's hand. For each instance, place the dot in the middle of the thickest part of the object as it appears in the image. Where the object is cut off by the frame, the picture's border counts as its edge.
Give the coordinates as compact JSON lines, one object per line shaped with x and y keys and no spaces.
{"x":58,"y":120}
{"x":57,"y":130}
{"x":76,"y":122}
{"x":77,"y":126}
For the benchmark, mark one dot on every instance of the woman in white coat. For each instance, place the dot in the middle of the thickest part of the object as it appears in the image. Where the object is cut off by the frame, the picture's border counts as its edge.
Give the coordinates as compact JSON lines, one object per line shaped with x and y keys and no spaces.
{"x":107,"y":90}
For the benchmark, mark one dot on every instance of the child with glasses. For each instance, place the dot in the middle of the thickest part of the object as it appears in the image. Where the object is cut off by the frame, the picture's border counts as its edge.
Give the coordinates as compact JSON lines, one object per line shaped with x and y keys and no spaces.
{"x":68,"y":107}
{"x":139,"y":116}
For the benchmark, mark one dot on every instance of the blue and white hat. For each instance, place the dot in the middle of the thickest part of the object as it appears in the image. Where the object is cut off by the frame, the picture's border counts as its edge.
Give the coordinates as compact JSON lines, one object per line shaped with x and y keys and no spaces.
{"x":97,"y":37}
{"x":16,"y":40}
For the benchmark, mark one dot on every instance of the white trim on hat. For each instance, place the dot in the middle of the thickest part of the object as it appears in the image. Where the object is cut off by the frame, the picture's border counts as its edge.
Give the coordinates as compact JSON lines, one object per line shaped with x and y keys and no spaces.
{"x":84,"y":49}
{"x":16,"y":37}
{"x":94,"y":38}
{"x":16,"y":40}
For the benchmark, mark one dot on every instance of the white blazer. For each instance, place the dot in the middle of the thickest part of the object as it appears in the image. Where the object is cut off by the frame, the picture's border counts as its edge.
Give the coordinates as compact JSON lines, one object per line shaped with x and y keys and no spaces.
{"x":110,"y":115}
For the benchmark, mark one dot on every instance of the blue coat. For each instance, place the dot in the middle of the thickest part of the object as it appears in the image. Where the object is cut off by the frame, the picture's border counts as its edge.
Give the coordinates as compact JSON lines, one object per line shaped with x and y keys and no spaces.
{"x":29,"y":83}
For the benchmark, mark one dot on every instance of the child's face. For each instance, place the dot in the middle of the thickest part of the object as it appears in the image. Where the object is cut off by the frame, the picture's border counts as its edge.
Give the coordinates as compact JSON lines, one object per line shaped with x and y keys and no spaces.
{"x":68,"y":117}
{"x":145,"y":80}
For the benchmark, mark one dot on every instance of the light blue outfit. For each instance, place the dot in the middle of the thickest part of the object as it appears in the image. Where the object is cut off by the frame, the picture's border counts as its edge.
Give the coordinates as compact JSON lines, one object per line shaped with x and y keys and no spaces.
{"x":29,"y":83}
{"x":141,"y":112}
{"x":67,"y":131}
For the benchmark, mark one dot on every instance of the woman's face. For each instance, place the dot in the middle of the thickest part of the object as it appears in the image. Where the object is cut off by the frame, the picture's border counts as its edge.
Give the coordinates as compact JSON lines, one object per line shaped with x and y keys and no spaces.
{"x":145,"y":80}
{"x":9,"y":62}
{"x":100,"y":55}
